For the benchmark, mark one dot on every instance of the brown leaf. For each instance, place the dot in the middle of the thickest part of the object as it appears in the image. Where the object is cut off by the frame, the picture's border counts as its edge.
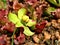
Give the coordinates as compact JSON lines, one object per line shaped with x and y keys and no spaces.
{"x":17,"y":5}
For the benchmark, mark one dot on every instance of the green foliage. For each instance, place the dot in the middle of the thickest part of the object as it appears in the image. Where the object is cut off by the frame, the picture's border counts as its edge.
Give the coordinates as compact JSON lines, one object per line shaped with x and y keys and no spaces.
{"x":50,"y":9}
{"x":27,"y":31}
{"x":21,"y":13}
{"x":13,"y":18}
{"x":31,"y":23}
{"x":3,"y":4}
{"x":17,"y":20}
{"x":55,"y":2}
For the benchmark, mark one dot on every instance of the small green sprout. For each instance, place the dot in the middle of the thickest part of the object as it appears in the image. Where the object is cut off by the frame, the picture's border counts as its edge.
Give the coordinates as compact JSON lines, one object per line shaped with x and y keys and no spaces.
{"x":17,"y":20}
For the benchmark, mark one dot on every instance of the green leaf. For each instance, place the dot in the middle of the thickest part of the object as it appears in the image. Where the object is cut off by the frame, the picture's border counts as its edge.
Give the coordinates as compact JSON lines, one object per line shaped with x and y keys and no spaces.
{"x":4,"y":1}
{"x":54,"y":2}
{"x":31,"y":23}
{"x":13,"y":18}
{"x":32,"y":27}
{"x":3,"y":4}
{"x":50,"y":9}
{"x":58,"y":1}
{"x":21,"y":12}
{"x":24,"y":23}
{"x":19,"y":24}
{"x":28,"y":32}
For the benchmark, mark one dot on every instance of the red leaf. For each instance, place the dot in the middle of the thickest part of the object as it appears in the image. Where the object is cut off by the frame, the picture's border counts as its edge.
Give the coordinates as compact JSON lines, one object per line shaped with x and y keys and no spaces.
{"x":2,"y":13}
{"x":9,"y":27}
{"x":38,"y":30}
{"x":2,"y":41}
{"x":21,"y":38}
{"x":40,"y":27}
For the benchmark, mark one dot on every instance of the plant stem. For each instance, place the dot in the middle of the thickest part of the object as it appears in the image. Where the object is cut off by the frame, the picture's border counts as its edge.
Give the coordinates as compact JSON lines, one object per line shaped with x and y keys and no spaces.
{"x":13,"y":37}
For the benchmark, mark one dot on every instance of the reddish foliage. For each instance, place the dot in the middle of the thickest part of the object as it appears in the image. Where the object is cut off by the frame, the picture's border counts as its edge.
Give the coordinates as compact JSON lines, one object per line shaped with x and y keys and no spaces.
{"x":57,"y":13}
{"x":21,"y":38}
{"x":40,"y":27}
{"x":5,"y":20}
{"x":2,"y":14}
{"x":2,"y":41}
{"x":32,"y":1}
{"x":17,"y":5}
{"x":39,"y":11}
{"x":9,"y":27}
